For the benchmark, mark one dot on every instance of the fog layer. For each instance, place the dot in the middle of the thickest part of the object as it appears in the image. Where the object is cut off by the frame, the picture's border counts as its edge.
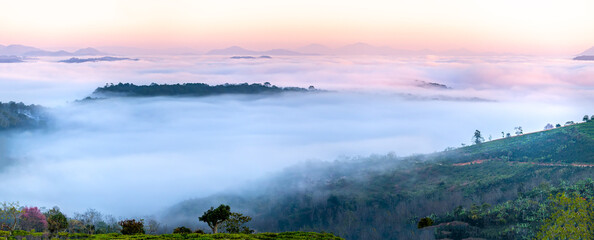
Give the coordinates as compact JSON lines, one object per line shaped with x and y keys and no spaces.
{"x":135,"y":156}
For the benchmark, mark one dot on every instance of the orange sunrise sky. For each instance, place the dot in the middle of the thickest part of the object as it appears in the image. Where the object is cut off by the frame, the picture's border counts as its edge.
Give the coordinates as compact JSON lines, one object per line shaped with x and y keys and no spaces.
{"x":514,"y":26}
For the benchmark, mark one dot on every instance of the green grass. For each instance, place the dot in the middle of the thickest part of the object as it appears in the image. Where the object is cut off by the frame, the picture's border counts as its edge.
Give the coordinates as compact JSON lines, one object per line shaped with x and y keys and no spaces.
{"x":570,"y":144}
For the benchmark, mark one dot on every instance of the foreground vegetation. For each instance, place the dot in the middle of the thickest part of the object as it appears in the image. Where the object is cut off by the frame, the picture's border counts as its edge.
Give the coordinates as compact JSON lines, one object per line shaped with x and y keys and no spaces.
{"x":258,"y":236}
{"x":556,"y":212}
{"x":29,"y":223}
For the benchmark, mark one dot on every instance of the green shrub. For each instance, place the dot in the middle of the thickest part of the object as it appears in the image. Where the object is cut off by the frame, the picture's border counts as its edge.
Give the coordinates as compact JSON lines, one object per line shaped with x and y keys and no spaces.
{"x":182,"y":229}
{"x":425,"y":222}
{"x":131,"y":227}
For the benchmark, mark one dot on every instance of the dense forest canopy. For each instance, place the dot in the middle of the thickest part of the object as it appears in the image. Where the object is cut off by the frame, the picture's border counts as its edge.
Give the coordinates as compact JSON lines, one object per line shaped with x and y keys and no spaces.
{"x":192,"y":89}
{"x":532,"y":215}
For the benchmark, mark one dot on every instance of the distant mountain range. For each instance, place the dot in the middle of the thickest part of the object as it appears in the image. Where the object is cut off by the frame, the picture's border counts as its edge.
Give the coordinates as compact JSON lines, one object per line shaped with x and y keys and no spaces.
{"x":311,"y":49}
{"x":351,"y":49}
{"x":22,"y":50}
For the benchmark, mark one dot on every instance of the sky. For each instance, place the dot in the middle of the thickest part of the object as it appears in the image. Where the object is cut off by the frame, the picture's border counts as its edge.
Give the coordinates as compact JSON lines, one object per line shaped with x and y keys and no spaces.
{"x":539,"y":27}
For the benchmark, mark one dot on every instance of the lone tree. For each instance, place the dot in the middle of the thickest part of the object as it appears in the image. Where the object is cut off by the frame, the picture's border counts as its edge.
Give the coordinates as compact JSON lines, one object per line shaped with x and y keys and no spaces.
{"x":214,"y":217}
{"x":586,"y":118}
{"x":477,"y":138}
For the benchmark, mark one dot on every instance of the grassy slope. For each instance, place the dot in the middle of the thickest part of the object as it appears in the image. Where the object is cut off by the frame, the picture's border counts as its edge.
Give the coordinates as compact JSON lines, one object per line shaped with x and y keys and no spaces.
{"x":568,"y":144}
{"x":383,"y":197}
{"x":564,"y":155}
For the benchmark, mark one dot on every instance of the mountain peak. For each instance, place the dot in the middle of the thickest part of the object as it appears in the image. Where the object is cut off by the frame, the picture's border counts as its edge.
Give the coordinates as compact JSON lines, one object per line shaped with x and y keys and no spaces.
{"x":17,"y":49}
{"x":589,"y":52}
{"x":87,"y":51}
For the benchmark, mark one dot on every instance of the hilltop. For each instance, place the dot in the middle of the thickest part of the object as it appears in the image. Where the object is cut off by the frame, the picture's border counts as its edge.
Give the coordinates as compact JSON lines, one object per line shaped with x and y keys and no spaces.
{"x":384,"y":197}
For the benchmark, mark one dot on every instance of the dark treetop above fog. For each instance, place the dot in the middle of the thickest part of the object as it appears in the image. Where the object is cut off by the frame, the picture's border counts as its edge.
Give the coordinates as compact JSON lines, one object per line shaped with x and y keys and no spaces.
{"x":192,"y":89}
{"x":584,"y":58}
{"x":19,"y":115}
{"x":10,"y":59}
{"x":101,"y":59}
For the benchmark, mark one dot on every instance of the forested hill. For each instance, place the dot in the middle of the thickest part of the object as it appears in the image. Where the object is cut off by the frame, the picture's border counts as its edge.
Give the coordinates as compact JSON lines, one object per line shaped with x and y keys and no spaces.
{"x":18,"y":115}
{"x":384,"y":197}
{"x":191,"y":89}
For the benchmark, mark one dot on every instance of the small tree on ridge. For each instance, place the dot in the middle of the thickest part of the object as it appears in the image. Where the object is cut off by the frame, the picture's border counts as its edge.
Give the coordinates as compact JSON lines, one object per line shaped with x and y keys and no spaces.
{"x":477,"y":138}
{"x":214,"y":217}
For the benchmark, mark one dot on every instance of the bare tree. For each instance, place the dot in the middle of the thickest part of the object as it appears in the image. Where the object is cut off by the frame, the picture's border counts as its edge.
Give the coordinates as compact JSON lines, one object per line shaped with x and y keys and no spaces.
{"x":9,"y":212}
{"x":89,"y":219}
{"x":152,"y":226}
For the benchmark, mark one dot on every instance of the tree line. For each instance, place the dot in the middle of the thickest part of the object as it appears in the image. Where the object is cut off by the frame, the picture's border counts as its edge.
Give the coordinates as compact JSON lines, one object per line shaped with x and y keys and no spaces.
{"x":14,"y":218}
